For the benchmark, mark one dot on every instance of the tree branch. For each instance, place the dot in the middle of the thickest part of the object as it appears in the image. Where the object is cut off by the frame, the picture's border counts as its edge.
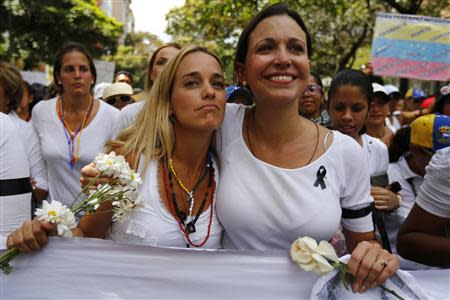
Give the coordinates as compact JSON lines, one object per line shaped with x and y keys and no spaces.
{"x":355,"y":46}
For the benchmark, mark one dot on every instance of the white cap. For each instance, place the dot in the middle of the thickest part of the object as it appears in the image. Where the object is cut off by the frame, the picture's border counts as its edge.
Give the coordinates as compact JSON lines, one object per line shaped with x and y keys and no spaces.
{"x":378,"y":88}
{"x":391,"y":89}
{"x":116,"y":89}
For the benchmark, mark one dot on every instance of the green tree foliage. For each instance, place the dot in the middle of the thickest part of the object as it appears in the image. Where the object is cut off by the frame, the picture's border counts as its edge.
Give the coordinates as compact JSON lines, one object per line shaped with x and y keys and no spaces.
{"x":214,"y":24}
{"x":34,"y":30}
{"x":133,"y":56}
{"x":338,"y":27}
{"x":432,"y":8}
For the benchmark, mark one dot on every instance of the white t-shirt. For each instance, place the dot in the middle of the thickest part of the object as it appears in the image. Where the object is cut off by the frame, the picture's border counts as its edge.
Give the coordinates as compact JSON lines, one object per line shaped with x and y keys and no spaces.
{"x":395,"y":125}
{"x":153,"y":225}
{"x":14,"y":208}
{"x":399,"y":171}
{"x":32,"y":146}
{"x":376,"y":153}
{"x":64,"y":181}
{"x":434,"y":194}
{"x":127,"y":116}
{"x":263,"y":207}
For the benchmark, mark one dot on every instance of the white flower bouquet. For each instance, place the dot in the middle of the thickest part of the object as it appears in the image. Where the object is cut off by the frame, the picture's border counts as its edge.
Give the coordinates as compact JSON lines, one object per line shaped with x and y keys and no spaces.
{"x":121,"y":192}
{"x":321,"y":259}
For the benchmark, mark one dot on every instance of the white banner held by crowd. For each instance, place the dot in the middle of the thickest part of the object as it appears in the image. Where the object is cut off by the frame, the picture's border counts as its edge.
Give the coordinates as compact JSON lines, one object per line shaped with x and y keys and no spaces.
{"x":97,"y":269}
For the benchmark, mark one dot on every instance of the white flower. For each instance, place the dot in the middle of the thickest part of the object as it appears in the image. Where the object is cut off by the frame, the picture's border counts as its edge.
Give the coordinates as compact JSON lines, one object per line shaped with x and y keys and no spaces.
{"x":111,"y":164}
{"x":312,"y":257}
{"x":57,"y":213}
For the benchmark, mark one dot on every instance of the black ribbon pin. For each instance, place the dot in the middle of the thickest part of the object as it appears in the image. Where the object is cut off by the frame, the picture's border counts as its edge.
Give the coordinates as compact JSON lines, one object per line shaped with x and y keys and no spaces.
{"x":320,"y":176}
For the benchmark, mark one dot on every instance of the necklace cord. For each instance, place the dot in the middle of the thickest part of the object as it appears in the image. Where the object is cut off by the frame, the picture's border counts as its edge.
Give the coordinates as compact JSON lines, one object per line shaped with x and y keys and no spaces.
{"x":250,"y":143}
{"x":70,"y":135}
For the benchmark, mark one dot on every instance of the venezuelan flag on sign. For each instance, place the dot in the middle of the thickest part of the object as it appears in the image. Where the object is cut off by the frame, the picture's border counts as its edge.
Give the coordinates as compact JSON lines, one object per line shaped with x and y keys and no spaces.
{"x":411,"y":46}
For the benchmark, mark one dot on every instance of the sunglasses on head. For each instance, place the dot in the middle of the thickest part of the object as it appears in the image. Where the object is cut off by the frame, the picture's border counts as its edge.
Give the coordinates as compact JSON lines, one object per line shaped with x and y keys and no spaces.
{"x":113,"y":100}
{"x":313,"y":89}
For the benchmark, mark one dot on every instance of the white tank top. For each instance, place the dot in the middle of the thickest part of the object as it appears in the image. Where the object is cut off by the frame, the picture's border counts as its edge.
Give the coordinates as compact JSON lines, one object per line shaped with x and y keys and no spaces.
{"x":153,"y":225}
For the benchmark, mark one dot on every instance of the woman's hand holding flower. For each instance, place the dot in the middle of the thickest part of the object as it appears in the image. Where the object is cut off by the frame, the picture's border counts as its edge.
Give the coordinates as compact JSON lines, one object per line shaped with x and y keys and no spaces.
{"x":371,"y":265}
{"x":90,"y":173}
{"x":32,"y":236}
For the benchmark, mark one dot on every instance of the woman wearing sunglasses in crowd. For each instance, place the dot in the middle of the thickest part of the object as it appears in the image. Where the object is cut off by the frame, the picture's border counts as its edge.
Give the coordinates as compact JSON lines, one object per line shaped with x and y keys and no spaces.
{"x":170,"y":145}
{"x":283,"y":176}
{"x":311,"y":103}
{"x":118,"y":95}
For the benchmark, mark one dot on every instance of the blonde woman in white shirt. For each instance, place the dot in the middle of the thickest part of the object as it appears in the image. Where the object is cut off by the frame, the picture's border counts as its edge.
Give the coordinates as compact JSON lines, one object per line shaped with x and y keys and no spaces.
{"x":170,"y":144}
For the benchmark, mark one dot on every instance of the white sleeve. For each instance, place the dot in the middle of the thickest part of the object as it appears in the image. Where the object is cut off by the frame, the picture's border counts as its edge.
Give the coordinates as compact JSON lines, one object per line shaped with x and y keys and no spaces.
{"x":434,"y":193}
{"x":355,"y":189}
{"x":384,"y":157}
{"x":231,"y":124}
{"x":126,"y":116}
{"x":15,"y":205}
{"x":38,"y":167}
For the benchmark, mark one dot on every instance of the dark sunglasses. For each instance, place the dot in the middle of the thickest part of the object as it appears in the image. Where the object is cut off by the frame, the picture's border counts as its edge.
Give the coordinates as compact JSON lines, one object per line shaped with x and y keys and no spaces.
{"x":313,"y":89}
{"x":124,"y":99}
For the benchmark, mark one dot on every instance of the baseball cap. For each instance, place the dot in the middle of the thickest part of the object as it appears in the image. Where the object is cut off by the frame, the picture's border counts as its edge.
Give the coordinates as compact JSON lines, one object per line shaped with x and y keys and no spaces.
{"x":379,"y":89}
{"x":431,"y":131}
{"x":115,"y":89}
{"x":416,"y":94}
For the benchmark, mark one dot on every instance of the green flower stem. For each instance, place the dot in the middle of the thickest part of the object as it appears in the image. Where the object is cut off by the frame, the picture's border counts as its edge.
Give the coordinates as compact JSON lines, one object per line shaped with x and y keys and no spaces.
{"x":6,"y":258}
{"x":103,"y":195}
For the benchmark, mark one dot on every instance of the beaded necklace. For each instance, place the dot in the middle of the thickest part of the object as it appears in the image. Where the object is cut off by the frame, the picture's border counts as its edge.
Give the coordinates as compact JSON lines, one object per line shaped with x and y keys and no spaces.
{"x":191,"y":192}
{"x":70,"y":135}
{"x":180,"y":216}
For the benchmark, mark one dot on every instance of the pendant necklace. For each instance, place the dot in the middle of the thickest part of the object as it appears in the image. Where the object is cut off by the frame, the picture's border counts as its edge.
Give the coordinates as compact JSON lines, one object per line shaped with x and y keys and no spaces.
{"x":190,"y":198}
{"x":179,"y":215}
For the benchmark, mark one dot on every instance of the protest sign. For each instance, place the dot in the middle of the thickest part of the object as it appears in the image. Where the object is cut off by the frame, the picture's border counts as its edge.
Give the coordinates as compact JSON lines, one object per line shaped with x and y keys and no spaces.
{"x":411,"y":46}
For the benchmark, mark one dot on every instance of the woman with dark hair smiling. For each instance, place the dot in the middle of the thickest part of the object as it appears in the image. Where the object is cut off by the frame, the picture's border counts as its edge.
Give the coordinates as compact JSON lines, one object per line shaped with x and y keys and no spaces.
{"x":282,"y":175}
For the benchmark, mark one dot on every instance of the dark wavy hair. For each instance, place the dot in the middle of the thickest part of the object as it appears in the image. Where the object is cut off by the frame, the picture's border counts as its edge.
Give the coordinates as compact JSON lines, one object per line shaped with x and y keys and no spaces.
{"x":272,"y":10}
{"x":67,"y":48}
{"x":13,"y":85}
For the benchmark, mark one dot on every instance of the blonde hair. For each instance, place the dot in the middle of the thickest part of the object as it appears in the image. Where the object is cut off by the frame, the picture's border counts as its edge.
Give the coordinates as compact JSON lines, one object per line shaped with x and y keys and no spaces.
{"x":151,"y":134}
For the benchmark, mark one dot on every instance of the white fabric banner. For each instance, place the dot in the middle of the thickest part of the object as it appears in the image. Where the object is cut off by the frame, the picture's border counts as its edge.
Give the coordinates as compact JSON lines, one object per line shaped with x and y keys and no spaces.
{"x":98,"y":269}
